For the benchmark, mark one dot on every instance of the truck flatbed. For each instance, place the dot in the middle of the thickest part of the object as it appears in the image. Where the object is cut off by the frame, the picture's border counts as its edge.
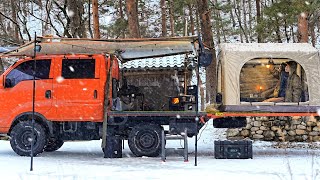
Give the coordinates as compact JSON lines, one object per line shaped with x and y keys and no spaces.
{"x":155,"y":113}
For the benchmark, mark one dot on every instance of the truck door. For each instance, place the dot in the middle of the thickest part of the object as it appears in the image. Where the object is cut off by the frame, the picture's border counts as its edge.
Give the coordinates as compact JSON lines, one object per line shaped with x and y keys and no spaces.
{"x":77,"y":90}
{"x":18,"y":90}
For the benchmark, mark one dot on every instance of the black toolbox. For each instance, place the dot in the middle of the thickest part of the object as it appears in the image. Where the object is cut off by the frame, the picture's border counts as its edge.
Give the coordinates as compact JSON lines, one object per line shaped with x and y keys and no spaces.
{"x":233,"y":149}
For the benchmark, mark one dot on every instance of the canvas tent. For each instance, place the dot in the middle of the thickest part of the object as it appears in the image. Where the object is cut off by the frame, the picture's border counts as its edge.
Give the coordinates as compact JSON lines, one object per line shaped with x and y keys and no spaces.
{"x":233,"y":56}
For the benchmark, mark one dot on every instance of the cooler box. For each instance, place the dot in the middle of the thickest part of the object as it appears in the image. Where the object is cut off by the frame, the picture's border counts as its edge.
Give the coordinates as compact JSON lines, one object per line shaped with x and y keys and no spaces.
{"x":233,"y":149}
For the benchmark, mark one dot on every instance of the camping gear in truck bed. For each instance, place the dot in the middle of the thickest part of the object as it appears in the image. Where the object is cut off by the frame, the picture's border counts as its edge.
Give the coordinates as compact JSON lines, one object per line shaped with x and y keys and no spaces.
{"x":233,"y":149}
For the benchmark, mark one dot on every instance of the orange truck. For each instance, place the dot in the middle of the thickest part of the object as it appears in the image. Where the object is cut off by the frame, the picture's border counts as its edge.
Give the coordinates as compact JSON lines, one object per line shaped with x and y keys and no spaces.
{"x":76,"y":83}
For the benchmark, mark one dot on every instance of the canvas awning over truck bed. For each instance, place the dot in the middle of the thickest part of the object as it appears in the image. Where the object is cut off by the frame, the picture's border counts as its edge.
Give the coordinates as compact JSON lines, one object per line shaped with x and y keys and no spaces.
{"x":126,"y":49}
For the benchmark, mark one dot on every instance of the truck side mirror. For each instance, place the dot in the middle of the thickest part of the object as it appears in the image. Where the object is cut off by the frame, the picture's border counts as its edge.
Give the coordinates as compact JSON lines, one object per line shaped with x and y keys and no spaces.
{"x":8,"y":83}
{"x":37,"y":48}
{"x":205,"y":58}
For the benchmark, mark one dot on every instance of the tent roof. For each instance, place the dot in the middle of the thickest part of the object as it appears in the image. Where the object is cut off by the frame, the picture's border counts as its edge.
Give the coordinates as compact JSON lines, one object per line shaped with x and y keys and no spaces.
{"x":268,"y":47}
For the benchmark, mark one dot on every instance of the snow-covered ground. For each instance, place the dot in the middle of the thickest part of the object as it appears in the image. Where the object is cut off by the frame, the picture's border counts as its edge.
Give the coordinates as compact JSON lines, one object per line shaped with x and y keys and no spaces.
{"x":84,"y":160}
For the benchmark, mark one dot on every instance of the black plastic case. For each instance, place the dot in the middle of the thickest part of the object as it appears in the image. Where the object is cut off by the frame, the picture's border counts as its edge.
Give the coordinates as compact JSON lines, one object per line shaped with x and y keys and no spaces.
{"x":233,"y":149}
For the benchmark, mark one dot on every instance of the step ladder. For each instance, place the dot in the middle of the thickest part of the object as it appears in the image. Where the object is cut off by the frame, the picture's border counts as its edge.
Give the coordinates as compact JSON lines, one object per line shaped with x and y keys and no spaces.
{"x":167,"y":136}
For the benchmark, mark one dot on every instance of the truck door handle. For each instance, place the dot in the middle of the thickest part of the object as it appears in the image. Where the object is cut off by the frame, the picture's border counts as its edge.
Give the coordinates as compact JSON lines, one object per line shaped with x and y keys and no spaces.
{"x":95,"y":94}
{"x":48,"y":94}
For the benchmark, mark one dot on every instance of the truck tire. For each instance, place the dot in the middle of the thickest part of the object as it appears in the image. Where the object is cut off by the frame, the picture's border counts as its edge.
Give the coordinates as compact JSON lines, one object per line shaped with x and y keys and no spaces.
{"x":53,"y":144}
{"x":145,"y":140}
{"x":20,"y":138}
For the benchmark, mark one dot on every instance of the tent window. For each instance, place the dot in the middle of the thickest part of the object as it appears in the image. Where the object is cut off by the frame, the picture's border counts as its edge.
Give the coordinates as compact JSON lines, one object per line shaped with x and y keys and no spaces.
{"x":262,"y":80}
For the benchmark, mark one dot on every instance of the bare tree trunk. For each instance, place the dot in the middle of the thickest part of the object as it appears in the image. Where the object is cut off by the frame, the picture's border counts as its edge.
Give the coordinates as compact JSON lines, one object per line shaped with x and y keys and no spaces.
{"x":163,"y":18}
{"x":217,"y":21}
{"x":303,"y":28}
{"x":206,"y":31}
{"x":89,"y":19}
{"x":292,"y":34}
{"x":185,"y":28}
{"x":22,"y":16}
{"x":66,"y":26}
{"x":123,"y":35}
{"x":46,"y":23}
{"x":3,"y":27}
{"x":312,"y":32}
{"x":250,"y":20}
{"x":172,"y":23}
{"x":198,"y":20}
{"x":77,"y":26}
{"x":237,"y":12}
{"x":8,"y":28}
{"x":95,"y":13}
{"x":221,"y":28}
{"x":14,"y":18}
{"x":245,"y":31}
{"x":231,"y":14}
{"x":278,"y":33}
{"x":286,"y":31}
{"x":191,"y":19}
{"x":133,"y":22}
{"x":258,"y":19}
{"x":318,"y":23}
{"x":49,"y":20}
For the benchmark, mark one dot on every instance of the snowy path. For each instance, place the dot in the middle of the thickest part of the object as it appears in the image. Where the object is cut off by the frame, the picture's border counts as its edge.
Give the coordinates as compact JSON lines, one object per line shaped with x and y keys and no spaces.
{"x":83,"y":160}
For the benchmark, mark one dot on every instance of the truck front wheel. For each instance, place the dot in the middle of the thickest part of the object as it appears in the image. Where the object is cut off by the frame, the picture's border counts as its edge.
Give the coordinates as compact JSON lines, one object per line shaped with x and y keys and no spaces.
{"x":21,"y":137}
{"x":145,"y":140}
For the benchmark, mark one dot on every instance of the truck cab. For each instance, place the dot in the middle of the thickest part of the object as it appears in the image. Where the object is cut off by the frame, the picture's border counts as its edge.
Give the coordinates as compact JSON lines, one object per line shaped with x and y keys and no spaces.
{"x":68,"y":89}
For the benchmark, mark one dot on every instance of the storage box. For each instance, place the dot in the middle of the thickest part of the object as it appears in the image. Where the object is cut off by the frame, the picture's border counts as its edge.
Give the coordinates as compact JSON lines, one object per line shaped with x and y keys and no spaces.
{"x":233,"y":149}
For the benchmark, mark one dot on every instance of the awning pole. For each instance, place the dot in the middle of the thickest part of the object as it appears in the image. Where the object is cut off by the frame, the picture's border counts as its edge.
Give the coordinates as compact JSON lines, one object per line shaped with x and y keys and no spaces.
{"x":33,"y":99}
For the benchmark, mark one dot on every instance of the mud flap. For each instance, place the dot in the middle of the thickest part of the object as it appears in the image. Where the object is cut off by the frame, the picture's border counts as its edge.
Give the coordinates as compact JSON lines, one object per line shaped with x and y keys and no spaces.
{"x":113,"y":148}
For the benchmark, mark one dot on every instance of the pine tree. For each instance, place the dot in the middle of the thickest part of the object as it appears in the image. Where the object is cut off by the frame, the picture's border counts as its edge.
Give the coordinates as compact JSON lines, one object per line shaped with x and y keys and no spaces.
{"x":95,"y":13}
{"x":133,"y":22}
{"x":206,"y":32}
{"x":163,"y":18}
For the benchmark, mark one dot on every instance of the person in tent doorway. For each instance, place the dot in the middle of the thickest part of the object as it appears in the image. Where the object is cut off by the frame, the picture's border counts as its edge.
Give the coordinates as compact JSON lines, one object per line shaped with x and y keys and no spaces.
{"x":294,"y":87}
{"x":280,"y":89}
